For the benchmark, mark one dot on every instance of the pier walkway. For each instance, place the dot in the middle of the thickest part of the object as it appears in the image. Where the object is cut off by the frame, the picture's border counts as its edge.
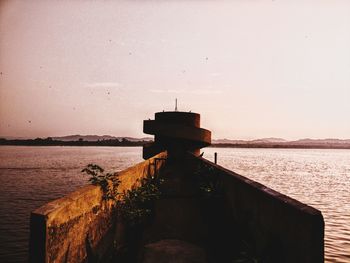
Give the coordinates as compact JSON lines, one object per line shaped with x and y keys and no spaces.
{"x":205,"y":212}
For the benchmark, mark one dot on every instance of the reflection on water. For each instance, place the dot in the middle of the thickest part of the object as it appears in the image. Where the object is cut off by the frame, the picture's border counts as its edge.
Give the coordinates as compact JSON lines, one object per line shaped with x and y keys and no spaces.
{"x":32,"y":176}
{"x":320,"y":178}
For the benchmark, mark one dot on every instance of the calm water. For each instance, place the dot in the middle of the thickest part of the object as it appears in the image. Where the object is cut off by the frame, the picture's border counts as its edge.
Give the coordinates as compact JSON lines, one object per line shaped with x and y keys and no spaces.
{"x":32,"y":176}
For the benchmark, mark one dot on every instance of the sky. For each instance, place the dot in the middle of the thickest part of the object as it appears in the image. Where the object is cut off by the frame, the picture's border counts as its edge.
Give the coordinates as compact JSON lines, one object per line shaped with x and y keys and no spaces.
{"x":251,"y":68}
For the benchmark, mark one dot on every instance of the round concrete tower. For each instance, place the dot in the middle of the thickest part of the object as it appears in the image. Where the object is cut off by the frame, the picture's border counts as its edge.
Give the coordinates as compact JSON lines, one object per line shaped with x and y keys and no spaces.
{"x":177,"y":132}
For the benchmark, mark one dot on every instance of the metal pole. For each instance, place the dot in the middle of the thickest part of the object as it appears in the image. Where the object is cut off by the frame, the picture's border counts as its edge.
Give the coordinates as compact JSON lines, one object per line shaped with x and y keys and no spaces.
{"x":215,"y":157}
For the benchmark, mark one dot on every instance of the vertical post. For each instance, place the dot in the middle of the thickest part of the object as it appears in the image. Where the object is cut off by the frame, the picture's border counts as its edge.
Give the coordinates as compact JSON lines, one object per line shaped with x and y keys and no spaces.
{"x":176,"y":104}
{"x":215,"y":157}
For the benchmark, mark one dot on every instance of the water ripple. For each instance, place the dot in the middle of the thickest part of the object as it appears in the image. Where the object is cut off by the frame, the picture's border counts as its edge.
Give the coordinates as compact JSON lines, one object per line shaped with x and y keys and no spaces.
{"x":32,"y":176}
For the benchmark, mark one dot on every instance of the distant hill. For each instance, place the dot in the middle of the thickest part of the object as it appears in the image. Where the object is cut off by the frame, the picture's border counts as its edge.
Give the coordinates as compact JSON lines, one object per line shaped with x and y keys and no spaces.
{"x":264,"y":140}
{"x":78,"y":140}
{"x":269,"y":140}
{"x":322,"y":141}
{"x":108,"y":140}
{"x":281,"y":143}
{"x":94,"y":138}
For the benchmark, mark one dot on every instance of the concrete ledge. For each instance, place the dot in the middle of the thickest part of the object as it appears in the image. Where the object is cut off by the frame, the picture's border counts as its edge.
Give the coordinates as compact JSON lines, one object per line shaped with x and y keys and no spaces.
{"x":81,"y":225}
{"x":279,"y":228}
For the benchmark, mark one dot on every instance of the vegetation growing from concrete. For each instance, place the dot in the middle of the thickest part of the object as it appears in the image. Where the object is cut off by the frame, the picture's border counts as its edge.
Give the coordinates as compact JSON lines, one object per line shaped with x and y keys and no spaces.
{"x":137,"y":204}
{"x":134,"y":205}
{"x":109,"y":182}
{"x":208,"y":181}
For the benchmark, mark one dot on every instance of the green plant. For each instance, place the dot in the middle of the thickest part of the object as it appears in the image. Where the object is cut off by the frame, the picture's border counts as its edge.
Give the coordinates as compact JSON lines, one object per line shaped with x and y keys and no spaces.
{"x":136,"y":204}
{"x":109,"y":182}
{"x":208,"y":180}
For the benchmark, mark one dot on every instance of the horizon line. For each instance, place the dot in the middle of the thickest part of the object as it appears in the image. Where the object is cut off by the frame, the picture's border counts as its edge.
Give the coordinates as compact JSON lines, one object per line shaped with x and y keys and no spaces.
{"x":137,"y":137}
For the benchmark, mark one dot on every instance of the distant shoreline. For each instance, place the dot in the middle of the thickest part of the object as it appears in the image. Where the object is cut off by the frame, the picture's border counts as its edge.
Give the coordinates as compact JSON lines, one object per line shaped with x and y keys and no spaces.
{"x":127,"y":143}
{"x":52,"y":142}
{"x":280,"y":146}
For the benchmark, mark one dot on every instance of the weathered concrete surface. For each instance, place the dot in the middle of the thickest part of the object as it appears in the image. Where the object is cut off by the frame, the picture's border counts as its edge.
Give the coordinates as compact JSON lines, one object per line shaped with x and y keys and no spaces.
{"x":173,"y":251}
{"x":200,"y":136}
{"x":177,"y":218}
{"x":179,"y":117}
{"x":81,"y":226}
{"x":177,"y":132}
{"x":178,"y":214}
{"x":279,"y":228}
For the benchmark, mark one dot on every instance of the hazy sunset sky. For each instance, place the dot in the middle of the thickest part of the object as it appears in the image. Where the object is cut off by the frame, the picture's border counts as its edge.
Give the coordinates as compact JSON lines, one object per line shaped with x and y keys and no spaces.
{"x":252,"y":69}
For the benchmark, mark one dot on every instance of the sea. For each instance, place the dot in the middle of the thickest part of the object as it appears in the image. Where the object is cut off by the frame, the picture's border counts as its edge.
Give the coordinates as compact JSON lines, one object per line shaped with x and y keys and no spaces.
{"x":33,"y":176}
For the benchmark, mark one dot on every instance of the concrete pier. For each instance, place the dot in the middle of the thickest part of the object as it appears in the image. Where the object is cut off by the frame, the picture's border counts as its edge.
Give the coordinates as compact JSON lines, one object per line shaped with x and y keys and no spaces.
{"x":82,"y":227}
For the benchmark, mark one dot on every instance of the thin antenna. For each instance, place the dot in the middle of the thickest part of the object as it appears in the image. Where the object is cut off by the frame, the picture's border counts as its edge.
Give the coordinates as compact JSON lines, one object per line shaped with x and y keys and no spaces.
{"x":176,"y":104}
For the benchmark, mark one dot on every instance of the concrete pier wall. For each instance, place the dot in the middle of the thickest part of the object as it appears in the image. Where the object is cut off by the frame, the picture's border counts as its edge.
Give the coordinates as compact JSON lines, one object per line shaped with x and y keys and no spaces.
{"x":81,"y":227}
{"x":277,"y":227}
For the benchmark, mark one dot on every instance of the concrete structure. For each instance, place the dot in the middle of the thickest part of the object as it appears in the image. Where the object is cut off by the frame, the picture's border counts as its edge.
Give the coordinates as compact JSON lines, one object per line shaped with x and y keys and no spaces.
{"x":177,"y":132}
{"x":82,"y":227}
{"x":277,"y":227}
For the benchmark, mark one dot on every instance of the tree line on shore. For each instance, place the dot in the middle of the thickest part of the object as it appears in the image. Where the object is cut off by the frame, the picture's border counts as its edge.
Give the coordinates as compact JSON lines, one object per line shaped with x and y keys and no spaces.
{"x":80,"y":142}
{"x":49,"y":141}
